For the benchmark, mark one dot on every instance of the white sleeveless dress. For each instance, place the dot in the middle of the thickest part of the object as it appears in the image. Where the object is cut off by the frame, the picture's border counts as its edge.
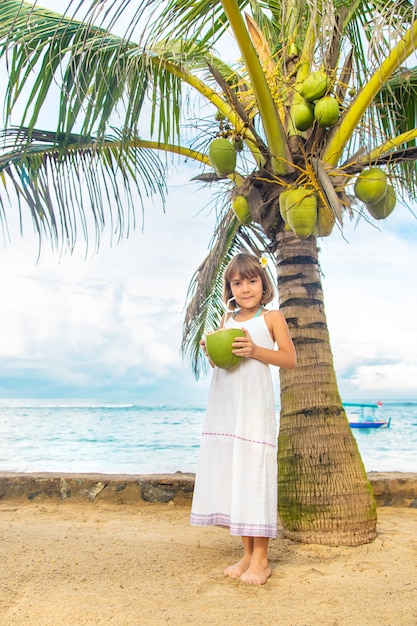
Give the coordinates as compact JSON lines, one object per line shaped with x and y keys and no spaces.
{"x":236,"y":477}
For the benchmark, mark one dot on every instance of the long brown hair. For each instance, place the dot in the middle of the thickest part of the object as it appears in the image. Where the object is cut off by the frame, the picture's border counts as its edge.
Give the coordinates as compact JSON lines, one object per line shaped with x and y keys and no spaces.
{"x":247,"y":266}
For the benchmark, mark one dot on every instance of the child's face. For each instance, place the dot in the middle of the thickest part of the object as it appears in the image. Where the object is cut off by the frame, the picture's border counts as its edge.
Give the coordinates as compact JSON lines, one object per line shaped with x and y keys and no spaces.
{"x":247,"y":291}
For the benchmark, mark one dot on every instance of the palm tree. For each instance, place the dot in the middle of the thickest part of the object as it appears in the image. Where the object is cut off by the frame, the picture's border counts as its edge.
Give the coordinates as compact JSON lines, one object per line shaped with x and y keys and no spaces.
{"x":301,"y":149}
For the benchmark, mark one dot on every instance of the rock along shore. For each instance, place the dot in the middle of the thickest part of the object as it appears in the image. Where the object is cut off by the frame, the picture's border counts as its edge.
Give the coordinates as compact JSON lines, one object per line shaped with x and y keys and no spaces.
{"x":390,"y":488}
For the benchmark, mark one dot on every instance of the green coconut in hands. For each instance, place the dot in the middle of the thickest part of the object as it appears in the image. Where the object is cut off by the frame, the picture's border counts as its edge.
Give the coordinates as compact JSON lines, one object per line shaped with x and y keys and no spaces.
{"x":219,"y":347}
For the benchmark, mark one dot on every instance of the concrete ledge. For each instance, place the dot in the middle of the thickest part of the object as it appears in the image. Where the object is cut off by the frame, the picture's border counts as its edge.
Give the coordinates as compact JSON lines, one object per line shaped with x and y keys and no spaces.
{"x":390,"y":488}
{"x":76,"y":488}
{"x":394,"y":488}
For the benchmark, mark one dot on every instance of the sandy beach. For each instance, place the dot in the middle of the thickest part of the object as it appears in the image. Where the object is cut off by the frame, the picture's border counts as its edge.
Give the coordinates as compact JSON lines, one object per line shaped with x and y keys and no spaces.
{"x":128,"y":565}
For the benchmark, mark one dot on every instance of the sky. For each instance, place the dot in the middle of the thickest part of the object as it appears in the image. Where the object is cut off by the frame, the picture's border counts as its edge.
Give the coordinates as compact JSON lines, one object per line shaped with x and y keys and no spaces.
{"x":107,"y":326}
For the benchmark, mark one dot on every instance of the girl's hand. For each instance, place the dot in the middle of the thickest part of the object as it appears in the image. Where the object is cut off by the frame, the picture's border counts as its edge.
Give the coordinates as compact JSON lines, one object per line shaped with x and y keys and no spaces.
{"x":203,"y":345}
{"x":244,"y":346}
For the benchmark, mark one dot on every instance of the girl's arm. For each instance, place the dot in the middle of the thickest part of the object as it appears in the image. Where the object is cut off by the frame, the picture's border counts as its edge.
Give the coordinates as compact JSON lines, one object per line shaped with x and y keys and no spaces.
{"x":285,"y":356}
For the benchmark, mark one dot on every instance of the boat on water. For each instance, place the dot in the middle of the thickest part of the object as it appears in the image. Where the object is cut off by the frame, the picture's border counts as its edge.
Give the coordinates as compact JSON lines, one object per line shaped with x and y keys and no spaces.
{"x":365,"y":415}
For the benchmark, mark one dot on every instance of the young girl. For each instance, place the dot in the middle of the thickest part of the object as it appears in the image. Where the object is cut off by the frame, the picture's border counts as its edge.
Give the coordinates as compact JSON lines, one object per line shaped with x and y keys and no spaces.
{"x":236,"y":478}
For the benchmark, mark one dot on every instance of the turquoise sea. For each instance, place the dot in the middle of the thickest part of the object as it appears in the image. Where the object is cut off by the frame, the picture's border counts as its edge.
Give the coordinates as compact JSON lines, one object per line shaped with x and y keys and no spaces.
{"x":68,"y":436}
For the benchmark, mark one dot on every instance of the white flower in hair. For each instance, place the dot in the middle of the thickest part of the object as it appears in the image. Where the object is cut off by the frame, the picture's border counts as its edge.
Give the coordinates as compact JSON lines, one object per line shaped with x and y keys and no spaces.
{"x":263,"y":261}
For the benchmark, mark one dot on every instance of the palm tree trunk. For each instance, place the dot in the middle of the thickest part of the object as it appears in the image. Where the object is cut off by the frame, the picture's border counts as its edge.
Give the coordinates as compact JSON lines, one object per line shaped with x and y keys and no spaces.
{"x":323,"y":492}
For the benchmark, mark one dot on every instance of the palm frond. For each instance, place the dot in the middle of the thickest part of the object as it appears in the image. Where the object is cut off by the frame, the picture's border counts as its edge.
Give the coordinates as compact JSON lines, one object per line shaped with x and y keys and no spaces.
{"x":205,"y":303}
{"x":372,"y":30}
{"x":66,"y":196}
{"x":201,"y":21}
{"x":205,"y":293}
{"x":39,"y":42}
{"x":397,"y":100}
{"x":102,"y":77}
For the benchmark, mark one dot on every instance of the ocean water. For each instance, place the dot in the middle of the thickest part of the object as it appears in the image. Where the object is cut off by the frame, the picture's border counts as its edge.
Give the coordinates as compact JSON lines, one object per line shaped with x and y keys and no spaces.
{"x":72,"y":437}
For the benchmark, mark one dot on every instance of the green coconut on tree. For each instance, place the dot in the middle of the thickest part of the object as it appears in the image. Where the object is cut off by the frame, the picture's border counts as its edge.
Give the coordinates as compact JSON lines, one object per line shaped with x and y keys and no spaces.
{"x":222,"y":156}
{"x":371,"y":185}
{"x":126,"y":98}
{"x":301,"y":211}
{"x":241,"y":209}
{"x":326,"y":111}
{"x":384,"y":207}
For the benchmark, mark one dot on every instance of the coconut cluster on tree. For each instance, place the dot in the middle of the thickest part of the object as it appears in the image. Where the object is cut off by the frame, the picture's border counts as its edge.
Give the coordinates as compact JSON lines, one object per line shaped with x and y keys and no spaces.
{"x":311,"y":202}
{"x":317,"y":104}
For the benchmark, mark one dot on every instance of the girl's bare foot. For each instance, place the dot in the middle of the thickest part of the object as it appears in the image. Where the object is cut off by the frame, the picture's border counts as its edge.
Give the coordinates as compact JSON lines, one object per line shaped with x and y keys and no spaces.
{"x":239,"y":568}
{"x":256,"y":575}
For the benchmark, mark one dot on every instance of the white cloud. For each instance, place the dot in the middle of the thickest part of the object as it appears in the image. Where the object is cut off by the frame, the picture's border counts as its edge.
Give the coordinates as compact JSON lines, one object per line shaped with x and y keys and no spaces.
{"x":397,"y":379}
{"x":369,"y":290}
{"x":115,"y":320}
